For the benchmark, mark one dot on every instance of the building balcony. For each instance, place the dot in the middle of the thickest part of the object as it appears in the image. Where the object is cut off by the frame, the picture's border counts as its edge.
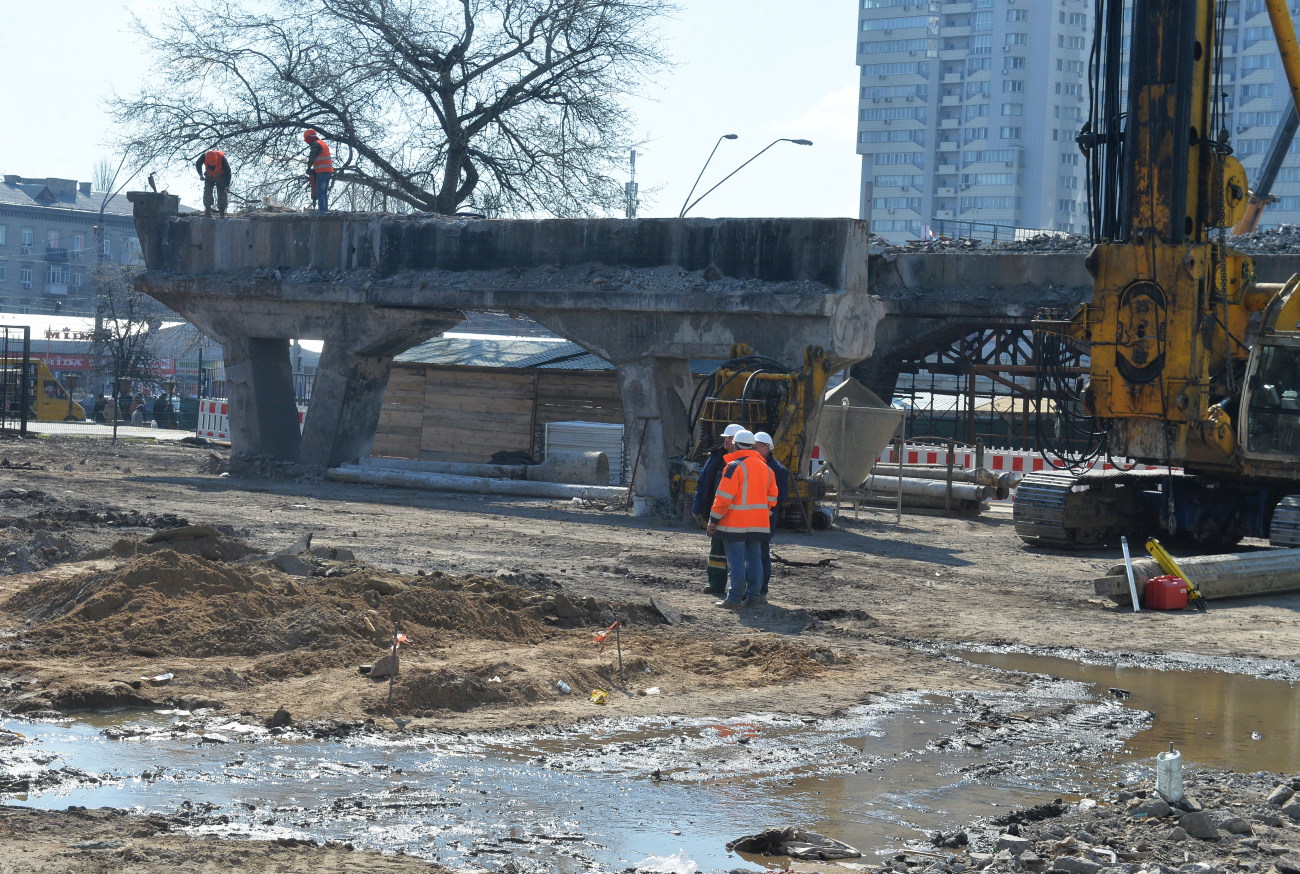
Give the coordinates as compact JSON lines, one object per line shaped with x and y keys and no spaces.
{"x":944,"y":214}
{"x":56,"y":256}
{"x":950,"y":146}
{"x":954,"y":54}
{"x":946,"y":169}
{"x":946,"y":192}
{"x":950,"y":100}
{"x":59,"y":289}
{"x":949,"y":123}
{"x":950,"y":78}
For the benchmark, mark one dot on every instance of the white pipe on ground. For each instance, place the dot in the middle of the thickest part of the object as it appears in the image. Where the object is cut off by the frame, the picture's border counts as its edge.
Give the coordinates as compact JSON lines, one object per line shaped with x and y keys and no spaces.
{"x":445,"y":482}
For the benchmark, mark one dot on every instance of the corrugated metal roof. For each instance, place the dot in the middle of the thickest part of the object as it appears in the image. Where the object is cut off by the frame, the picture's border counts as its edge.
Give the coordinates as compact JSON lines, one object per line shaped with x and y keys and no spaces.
{"x":517,"y":352}
{"x":478,"y":351}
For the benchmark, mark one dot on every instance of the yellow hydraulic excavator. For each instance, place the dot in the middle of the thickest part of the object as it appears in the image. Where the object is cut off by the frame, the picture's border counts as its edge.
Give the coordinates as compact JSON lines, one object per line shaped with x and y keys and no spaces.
{"x":763,"y":395}
{"x":1195,"y":366}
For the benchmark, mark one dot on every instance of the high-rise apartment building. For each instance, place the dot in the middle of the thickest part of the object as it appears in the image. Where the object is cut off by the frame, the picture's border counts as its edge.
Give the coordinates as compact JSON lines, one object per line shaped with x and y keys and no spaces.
{"x":968,"y":112}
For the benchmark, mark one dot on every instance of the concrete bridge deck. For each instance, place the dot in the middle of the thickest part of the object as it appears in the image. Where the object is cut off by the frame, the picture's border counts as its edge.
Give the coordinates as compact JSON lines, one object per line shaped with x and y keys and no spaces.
{"x":647,"y":295}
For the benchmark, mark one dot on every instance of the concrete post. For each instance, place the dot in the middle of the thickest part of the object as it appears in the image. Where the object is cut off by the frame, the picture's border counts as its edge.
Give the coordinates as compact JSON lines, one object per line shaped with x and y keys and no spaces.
{"x":656,"y":393}
{"x":263,"y":410}
{"x":346,"y":400}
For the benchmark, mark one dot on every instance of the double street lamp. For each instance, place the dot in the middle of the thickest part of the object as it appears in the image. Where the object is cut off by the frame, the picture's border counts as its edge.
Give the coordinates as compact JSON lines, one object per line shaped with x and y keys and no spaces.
{"x":691,"y":205}
{"x":702,"y":169}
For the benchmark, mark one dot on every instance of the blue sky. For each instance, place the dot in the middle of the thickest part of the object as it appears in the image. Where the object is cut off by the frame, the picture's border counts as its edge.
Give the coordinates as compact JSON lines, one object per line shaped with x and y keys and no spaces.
{"x":761,"y":69}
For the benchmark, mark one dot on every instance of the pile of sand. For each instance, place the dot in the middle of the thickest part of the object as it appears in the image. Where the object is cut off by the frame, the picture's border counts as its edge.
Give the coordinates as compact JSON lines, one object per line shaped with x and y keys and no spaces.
{"x":172,"y":603}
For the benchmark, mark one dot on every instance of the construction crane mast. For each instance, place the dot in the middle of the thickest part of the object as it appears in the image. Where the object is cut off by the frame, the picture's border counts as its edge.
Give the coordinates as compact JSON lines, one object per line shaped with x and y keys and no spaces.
{"x":1178,"y":331}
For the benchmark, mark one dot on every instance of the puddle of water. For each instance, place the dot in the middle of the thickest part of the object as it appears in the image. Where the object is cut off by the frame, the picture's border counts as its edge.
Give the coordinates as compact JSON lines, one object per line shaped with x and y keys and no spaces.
{"x":1215,"y":720}
{"x":882,"y":775}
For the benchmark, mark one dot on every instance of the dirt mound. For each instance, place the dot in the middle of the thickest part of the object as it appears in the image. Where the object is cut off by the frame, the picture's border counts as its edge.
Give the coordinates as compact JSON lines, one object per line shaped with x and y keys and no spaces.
{"x":201,"y":540}
{"x":171,"y":603}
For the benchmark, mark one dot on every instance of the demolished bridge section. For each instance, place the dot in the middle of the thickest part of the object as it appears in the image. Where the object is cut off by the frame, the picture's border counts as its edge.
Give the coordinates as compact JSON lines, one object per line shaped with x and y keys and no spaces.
{"x":645,"y":294}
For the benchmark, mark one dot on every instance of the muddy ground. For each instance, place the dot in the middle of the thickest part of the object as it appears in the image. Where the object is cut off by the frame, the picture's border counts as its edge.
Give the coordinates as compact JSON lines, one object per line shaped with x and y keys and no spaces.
{"x":265,"y":595}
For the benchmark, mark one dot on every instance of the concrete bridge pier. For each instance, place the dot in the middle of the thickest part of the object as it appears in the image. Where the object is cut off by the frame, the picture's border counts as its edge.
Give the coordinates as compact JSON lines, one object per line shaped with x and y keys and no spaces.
{"x":656,"y":393}
{"x":263,"y":409}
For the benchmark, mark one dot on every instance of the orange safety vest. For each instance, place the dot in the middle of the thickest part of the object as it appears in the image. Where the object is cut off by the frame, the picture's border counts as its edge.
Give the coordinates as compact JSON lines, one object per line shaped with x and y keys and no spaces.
{"x":746,"y":496}
{"x":323,"y":163}
{"x":212,"y":163}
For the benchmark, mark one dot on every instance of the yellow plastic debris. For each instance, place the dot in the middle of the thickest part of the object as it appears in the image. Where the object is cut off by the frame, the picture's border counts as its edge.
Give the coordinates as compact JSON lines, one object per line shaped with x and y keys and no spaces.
{"x":599,"y":696}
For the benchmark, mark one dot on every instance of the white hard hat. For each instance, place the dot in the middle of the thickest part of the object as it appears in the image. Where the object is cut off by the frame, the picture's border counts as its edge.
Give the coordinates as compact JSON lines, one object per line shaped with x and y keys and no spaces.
{"x":730,"y":430}
{"x":764,"y":437}
{"x":743,"y":437}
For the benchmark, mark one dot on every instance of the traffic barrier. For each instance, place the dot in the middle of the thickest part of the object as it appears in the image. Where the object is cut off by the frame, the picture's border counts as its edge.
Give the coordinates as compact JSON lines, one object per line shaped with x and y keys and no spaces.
{"x":997,"y":460}
{"x":214,"y":418}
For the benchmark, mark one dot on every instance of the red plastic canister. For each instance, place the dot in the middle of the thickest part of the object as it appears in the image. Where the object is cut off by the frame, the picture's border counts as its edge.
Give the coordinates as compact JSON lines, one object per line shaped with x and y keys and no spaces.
{"x":1165,"y":593}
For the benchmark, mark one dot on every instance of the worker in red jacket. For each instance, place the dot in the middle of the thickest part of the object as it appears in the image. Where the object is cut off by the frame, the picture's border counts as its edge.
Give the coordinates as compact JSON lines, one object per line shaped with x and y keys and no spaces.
{"x":214,"y":170}
{"x":741,"y":516}
{"x":320,"y":169}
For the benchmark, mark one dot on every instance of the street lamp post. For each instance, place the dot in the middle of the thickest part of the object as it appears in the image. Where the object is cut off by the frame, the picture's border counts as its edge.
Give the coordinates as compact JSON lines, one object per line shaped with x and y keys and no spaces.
{"x":799,"y":142}
{"x":97,"y":339}
{"x":702,"y":169}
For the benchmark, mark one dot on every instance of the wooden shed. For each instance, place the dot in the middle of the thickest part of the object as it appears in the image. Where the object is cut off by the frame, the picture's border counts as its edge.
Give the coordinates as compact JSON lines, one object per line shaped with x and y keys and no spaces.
{"x":466,"y":398}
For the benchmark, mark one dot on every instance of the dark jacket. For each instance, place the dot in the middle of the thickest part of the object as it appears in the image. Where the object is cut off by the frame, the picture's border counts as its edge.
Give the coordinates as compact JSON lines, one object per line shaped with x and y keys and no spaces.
{"x":706,"y":487}
{"x":782,"y":474}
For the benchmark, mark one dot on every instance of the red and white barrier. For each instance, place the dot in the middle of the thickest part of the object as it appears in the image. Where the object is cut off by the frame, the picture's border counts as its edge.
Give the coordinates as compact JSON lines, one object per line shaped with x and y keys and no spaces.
{"x":214,"y":418}
{"x":997,"y":460}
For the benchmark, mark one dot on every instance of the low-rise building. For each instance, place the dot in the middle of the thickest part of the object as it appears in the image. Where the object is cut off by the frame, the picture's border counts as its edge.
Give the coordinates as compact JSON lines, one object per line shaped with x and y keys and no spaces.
{"x":53,"y":232}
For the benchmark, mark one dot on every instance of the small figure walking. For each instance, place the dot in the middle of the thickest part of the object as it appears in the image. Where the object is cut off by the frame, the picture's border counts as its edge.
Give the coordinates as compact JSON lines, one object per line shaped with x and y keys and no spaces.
{"x":320,"y":169}
{"x":214,"y":170}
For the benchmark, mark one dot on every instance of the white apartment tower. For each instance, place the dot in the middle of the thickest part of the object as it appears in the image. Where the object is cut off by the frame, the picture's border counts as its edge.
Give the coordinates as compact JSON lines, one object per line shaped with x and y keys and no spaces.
{"x":968,"y":112}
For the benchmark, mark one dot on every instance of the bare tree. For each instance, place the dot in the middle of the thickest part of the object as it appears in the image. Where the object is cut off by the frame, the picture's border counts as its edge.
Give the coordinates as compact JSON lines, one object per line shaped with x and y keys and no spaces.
{"x":102,"y":174}
{"x":127,"y":320}
{"x":502,"y":105}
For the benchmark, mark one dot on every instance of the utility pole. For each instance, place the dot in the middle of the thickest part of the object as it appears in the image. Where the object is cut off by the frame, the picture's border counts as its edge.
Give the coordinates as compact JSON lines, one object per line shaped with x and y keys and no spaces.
{"x":630,"y":199}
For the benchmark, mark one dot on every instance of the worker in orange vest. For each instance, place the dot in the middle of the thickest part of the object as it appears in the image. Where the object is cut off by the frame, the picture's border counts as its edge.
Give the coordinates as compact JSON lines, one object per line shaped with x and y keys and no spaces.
{"x":320,"y":169}
{"x":741,"y":516}
{"x":214,"y":170}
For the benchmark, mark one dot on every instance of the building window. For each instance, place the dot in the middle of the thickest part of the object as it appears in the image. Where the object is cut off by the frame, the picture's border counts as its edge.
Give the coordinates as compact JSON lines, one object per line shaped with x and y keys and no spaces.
{"x":25,"y":276}
{"x":1012,"y":133}
{"x":1017,"y":15}
{"x":4,"y":236}
{"x":1013,"y":63}
{"x":1013,"y":109}
{"x":78,"y":245}
{"x":52,"y":239}
{"x":108,"y":247}
{"x":4,"y":270}
{"x":1013,"y":86}
{"x":29,"y":240}
{"x":56,"y":274}
{"x":1016,"y":39}
{"x":78,"y":279}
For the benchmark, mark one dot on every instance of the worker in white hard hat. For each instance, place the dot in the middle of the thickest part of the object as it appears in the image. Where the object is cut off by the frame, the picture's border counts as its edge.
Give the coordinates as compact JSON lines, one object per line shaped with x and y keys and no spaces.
{"x":706,"y":488}
{"x":742,"y":517}
{"x":764,"y":446}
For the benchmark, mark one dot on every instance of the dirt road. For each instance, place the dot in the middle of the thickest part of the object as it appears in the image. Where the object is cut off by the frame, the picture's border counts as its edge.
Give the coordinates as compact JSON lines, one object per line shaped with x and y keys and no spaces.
{"x":134,"y":561}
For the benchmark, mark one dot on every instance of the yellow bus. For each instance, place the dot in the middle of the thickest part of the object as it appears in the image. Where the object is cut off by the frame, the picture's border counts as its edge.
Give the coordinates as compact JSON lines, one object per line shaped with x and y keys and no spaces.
{"x":47,"y":399}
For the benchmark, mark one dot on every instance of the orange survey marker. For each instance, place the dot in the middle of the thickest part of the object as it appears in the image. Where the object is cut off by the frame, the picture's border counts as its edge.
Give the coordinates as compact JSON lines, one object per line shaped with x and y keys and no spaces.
{"x":602,"y":637}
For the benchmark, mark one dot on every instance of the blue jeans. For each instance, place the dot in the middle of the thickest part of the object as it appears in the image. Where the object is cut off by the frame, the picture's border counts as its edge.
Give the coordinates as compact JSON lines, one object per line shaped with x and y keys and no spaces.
{"x":745,"y":563}
{"x":321,"y":184}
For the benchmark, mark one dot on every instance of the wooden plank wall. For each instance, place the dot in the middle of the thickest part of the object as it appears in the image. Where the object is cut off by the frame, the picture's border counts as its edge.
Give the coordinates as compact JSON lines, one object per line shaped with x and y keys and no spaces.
{"x":468,"y":413}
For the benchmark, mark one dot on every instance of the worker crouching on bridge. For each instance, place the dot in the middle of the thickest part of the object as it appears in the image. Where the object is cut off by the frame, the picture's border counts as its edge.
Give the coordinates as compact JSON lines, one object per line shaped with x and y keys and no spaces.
{"x":320,"y":169}
{"x":741,"y":516}
{"x":214,"y":170}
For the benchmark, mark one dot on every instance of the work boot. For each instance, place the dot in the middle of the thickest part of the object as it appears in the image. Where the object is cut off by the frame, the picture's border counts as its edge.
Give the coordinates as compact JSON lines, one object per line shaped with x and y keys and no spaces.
{"x":757,"y":599}
{"x":710,"y":590}
{"x":729,"y":605}
{"x":207,"y":213}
